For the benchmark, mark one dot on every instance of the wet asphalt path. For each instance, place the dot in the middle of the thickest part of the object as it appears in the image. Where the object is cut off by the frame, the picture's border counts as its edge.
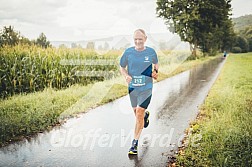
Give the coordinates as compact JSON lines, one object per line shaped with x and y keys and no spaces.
{"x":103,"y":136}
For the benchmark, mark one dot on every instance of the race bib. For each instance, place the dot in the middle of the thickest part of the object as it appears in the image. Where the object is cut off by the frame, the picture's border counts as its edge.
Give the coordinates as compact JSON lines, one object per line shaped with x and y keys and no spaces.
{"x":138,"y":80}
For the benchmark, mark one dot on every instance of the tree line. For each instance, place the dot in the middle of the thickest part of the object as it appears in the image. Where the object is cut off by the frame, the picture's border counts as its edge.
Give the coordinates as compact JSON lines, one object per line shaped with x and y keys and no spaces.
{"x":243,"y":41}
{"x":10,"y":37}
{"x":205,"y":24}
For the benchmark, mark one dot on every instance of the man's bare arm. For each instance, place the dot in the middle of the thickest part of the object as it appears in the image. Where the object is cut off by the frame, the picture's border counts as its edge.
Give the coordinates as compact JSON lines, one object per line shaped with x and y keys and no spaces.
{"x":124,"y":72}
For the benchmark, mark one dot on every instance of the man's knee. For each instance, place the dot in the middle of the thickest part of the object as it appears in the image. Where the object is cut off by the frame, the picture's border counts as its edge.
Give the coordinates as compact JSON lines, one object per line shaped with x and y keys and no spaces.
{"x":140,"y":113}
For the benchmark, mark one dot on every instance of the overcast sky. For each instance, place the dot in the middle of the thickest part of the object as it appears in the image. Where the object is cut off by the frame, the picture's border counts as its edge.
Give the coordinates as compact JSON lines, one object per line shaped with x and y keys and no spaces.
{"x":73,"y":20}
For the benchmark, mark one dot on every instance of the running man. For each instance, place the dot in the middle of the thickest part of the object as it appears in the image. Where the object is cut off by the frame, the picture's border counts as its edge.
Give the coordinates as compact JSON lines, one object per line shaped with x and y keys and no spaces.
{"x":139,"y":73}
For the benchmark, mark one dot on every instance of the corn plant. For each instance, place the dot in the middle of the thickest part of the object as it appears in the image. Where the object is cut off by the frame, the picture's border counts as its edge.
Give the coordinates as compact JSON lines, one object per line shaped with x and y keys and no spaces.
{"x":25,"y":69}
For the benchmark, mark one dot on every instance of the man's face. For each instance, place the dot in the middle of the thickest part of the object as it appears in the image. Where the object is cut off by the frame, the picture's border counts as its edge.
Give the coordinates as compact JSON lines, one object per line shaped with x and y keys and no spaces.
{"x":139,"y":39}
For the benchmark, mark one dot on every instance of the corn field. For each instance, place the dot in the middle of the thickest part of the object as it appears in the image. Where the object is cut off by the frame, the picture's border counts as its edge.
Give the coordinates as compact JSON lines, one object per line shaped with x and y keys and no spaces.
{"x":25,"y":69}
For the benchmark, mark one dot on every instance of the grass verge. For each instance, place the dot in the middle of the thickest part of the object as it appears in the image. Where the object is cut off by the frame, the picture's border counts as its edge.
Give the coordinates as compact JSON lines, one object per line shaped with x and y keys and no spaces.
{"x":222,"y":133}
{"x":24,"y":115}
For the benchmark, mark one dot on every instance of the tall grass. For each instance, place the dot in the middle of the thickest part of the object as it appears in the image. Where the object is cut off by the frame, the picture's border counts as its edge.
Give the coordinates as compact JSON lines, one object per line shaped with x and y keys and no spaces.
{"x":31,"y":68}
{"x":225,"y":119}
{"x":23,"y":115}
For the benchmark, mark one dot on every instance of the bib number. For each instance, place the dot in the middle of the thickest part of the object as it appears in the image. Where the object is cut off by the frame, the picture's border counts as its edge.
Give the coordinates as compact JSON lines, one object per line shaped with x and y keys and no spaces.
{"x":138,"y":80}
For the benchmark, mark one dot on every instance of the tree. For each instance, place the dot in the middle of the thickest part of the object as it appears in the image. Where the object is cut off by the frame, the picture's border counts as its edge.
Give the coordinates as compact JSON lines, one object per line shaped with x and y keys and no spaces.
{"x":1,"y":41}
{"x":247,"y":33}
{"x":180,"y":18}
{"x":62,"y":46}
{"x":74,"y":45}
{"x":42,"y":41}
{"x":9,"y":36}
{"x":91,"y":45}
{"x":202,"y":23}
{"x":250,"y":44}
{"x":229,"y":36}
{"x":242,"y":43}
{"x":25,"y":41}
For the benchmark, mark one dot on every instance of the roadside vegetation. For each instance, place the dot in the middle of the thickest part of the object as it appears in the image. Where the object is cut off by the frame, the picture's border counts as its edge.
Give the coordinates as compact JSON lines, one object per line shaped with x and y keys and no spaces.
{"x":224,"y":122}
{"x":26,"y":69}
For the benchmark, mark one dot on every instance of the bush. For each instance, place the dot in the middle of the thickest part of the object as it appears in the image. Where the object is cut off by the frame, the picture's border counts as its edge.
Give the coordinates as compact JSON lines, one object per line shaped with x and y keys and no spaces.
{"x":236,"y":50}
{"x":250,"y":44}
{"x":242,"y":43}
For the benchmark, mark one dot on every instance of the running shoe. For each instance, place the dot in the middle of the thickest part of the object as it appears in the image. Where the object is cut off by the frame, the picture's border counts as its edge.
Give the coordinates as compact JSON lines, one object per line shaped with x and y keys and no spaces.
{"x":133,"y":148}
{"x":146,"y":119}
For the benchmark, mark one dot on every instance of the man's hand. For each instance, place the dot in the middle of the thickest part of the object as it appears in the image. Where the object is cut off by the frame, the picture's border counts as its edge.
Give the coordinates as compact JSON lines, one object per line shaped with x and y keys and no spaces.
{"x":128,"y":79}
{"x":154,"y":74}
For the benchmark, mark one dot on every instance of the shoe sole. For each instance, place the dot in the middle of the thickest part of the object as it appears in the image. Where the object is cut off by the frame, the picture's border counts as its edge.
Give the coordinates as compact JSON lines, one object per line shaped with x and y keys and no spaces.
{"x":132,"y":153}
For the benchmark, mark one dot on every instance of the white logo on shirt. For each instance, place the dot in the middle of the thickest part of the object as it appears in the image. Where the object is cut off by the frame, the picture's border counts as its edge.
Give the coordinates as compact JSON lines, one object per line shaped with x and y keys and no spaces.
{"x":146,"y":59}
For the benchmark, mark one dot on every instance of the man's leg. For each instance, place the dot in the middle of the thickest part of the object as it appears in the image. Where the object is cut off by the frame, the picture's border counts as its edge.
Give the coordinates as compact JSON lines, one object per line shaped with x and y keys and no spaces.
{"x":143,"y":99}
{"x":139,"y":122}
{"x":139,"y":113}
{"x":134,"y":109}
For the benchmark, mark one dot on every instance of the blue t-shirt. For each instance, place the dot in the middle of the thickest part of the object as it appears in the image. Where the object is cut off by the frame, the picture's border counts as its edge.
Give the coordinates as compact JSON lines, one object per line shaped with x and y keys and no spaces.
{"x":139,"y":65}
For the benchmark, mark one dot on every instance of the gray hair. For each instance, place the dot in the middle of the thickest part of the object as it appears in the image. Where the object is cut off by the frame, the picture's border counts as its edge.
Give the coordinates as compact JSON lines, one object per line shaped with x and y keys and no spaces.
{"x":142,"y":31}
